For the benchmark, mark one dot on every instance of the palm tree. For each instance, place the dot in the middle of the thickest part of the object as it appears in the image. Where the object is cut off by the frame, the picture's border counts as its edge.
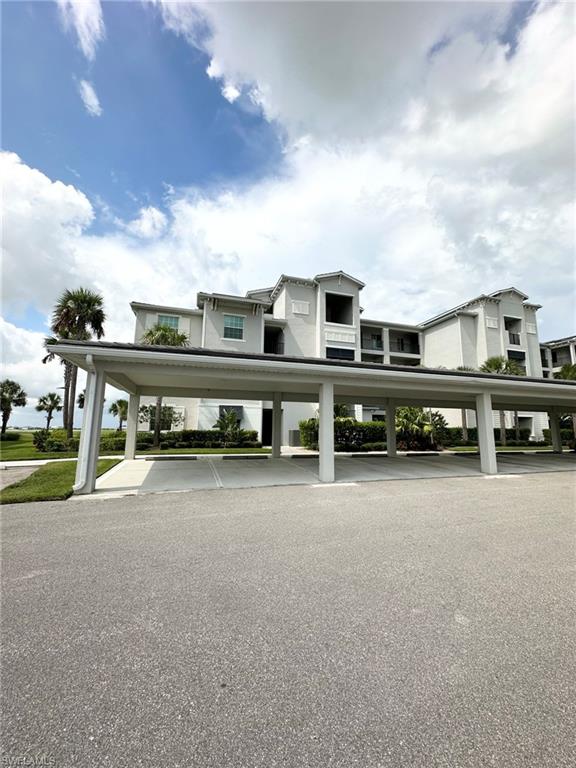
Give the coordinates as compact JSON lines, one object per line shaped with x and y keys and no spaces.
{"x":162,"y":336}
{"x":120,"y":410}
{"x":504,"y":367}
{"x":49,"y":403}
{"x":568,"y":372}
{"x":78,"y":315}
{"x":48,"y":341}
{"x":11,"y":396}
{"x":80,"y":399}
{"x":228,"y":423}
{"x":463,"y":411}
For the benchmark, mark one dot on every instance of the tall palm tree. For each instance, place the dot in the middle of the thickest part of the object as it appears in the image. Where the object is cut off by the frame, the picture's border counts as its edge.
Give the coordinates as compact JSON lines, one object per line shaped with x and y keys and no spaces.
{"x":11,"y":396}
{"x":568,"y":372}
{"x":48,"y":341}
{"x":504,"y":367}
{"x":78,"y":314}
{"x":119,"y":409}
{"x":49,"y":403}
{"x":162,"y":336}
{"x":463,"y":410}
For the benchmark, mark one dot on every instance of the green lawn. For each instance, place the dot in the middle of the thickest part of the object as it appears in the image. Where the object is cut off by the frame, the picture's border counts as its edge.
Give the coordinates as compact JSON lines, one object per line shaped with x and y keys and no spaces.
{"x":50,"y":482}
{"x":24,"y":450}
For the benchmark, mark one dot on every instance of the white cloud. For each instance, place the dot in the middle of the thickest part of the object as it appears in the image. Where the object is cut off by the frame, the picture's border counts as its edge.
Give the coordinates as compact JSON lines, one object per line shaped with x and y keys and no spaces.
{"x":150,"y":223}
{"x":89,"y":98}
{"x":230,"y":93}
{"x":85,"y":18}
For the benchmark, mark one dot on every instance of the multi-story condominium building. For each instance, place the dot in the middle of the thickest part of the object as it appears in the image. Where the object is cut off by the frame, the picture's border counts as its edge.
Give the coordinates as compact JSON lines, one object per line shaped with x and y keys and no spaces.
{"x":555,"y":354}
{"x":322,"y":317}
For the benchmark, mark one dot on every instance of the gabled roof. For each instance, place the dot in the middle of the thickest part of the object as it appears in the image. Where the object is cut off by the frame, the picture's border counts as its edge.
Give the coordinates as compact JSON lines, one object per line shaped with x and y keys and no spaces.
{"x":461,"y":309}
{"x":339,"y":273}
{"x":510,"y":290}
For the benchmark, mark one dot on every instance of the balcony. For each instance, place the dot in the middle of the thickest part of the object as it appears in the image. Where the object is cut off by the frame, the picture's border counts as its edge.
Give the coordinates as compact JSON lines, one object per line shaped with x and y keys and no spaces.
{"x":405,"y":343}
{"x":372,"y":342}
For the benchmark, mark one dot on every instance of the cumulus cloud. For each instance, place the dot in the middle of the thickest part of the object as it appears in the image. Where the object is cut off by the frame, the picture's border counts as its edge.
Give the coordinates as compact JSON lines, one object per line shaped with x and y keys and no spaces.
{"x":149,"y":223}
{"x":89,"y":98}
{"x":84,"y":17}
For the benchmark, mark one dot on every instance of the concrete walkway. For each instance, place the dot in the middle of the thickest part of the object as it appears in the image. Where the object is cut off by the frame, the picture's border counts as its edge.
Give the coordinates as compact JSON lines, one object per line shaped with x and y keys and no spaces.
{"x":208,"y":472}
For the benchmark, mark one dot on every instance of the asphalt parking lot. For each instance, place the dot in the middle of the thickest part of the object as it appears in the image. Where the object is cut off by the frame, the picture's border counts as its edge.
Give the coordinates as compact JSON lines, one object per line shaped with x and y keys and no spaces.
{"x":409,"y":623}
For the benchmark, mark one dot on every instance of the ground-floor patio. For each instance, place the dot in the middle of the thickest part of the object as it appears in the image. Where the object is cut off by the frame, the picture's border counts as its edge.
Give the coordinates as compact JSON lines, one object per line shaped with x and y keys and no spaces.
{"x":208,"y":472}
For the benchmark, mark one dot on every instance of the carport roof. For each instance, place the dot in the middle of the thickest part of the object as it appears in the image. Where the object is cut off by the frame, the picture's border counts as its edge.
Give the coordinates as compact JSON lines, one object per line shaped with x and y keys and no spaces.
{"x":210,"y":373}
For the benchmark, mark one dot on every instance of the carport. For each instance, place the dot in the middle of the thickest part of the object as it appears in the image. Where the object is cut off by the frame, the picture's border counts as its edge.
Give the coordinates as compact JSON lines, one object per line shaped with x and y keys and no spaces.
{"x":203,"y":373}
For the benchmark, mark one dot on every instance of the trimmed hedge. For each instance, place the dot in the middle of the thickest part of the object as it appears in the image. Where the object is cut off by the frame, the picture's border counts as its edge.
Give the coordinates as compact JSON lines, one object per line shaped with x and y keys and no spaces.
{"x":455,"y":435}
{"x":567,"y":436}
{"x":55,"y":441}
{"x":349,"y":435}
{"x":207,"y":438}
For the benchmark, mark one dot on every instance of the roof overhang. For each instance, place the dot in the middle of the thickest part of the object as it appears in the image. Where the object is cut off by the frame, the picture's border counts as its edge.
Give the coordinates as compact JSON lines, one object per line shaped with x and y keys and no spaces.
{"x":190,"y":372}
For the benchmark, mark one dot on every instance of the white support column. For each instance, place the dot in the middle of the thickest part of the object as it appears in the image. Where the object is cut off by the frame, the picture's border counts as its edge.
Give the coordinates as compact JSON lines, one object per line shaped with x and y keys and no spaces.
{"x":391,"y":430}
{"x":326,"y":433}
{"x":555,"y":434}
{"x":485,"y":426}
{"x":276,"y":425}
{"x":132,"y":426}
{"x":90,"y":434}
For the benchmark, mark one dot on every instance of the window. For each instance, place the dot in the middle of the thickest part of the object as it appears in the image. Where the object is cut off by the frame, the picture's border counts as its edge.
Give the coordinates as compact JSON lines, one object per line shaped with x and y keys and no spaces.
{"x":171,"y":321}
{"x":301,"y":307}
{"x":339,"y":309}
{"x":238,"y":410}
{"x":233,"y":327}
{"x":338,"y":353}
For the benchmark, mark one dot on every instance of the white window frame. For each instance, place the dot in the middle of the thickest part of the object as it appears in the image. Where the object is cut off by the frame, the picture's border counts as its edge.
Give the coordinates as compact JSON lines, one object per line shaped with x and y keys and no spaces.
{"x":233,"y":338}
{"x":169,"y":317}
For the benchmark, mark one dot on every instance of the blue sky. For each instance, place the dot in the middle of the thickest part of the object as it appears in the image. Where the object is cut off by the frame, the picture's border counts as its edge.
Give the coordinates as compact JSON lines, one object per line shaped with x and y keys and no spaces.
{"x":164,"y":121}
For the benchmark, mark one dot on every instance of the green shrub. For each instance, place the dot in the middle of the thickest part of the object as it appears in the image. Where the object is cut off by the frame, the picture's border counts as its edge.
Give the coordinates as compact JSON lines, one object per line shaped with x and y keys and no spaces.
{"x":39,"y":439}
{"x":113,"y":443}
{"x":10,"y":437}
{"x":349,"y":435}
{"x":567,"y":436}
{"x":374,"y":446}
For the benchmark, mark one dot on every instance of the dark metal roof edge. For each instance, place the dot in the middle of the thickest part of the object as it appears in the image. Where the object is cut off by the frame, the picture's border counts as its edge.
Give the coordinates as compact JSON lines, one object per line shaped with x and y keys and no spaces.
{"x":259,"y":356}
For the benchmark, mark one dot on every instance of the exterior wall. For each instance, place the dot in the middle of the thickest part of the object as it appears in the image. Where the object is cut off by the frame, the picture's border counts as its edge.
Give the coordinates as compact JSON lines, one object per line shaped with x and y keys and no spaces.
{"x":300,"y":330}
{"x":469,"y":341}
{"x":190,"y":324}
{"x":442,"y":345}
{"x":209,"y":413}
{"x":214,"y":328}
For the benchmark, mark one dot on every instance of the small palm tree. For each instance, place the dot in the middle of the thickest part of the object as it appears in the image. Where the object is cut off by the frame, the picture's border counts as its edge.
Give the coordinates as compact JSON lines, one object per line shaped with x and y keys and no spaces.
{"x":504,"y":367}
{"x":49,"y":403}
{"x":229,"y":424}
{"x":568,"y":372}
{"x":11,"y":396}
{"x":120,"y":410}
{"x":162,"y":336}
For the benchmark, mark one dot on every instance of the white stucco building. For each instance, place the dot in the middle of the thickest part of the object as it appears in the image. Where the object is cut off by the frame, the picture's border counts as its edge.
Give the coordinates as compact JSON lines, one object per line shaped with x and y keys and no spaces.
{"x":322,"y":317}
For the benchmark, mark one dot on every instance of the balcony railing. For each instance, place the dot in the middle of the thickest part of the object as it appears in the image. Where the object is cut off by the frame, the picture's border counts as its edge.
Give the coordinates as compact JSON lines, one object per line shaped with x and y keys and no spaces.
{"x":404,"y":345}
{"x":514,"y":338}
{"x":372,"y":343}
